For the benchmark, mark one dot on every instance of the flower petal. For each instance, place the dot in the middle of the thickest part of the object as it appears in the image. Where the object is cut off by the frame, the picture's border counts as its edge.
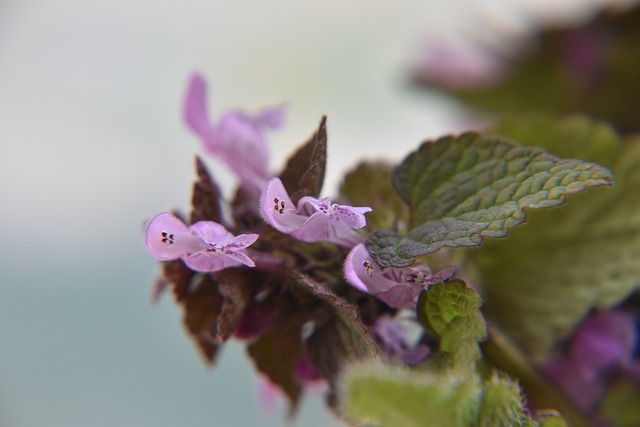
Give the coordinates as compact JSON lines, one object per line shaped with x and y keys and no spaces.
{"x":350,"y":216}
{"x":195,"y":106}
{"x":271,"y":117}
{"x":321,"y":227}
{"x":352,"y":266}
{"x":240,"y":258}
{"x":397,"y":287}
{"x":363,"y":272}
{"x":604,"y":339}
{"x":277,"y":208}
{"x":242,"y":241}
{"x":400,"y":296}
{"x":209,"y":261}
{"x":242,"y":146}
{"x":169,"y":238}
{"x":212,"y":233}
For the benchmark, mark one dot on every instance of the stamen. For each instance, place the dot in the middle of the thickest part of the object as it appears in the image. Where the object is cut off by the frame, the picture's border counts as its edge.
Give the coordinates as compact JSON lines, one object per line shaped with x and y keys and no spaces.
{"x":166,"y":238}
{"x":368,"y":267}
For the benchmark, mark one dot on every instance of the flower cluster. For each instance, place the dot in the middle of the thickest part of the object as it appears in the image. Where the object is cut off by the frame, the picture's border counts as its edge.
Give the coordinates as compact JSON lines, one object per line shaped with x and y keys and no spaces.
{"x":252,"y":244}
{"x":238,"y":140}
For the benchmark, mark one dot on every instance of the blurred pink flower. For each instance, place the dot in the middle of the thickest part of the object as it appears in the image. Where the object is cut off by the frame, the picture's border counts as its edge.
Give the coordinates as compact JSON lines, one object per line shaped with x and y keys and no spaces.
{"x":460,"y":65}
{"x":393,"y":338}
{"x":237,"y":139}
{"x":604,"y":341}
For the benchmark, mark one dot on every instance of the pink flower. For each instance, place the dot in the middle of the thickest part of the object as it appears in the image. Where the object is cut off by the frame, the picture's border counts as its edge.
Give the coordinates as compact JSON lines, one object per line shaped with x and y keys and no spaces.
{"x":461,"y":65}
{"x":237,"y":139}
{"x":394,"y":340}
{"x":204,"y":246}
{"x":604,"y":341}
{"x":398,"y":287}
{"x":312,"y":220}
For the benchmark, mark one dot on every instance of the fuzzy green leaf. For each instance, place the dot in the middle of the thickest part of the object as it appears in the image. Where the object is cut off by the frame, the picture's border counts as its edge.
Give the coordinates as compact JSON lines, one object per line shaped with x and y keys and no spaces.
{"x":379,"y":395}
{"x":542,"y":281}
{"x":374,"y":394}
{"x":452,"y":311}
{"x":501,"y":403}
{"x":462,"y":189}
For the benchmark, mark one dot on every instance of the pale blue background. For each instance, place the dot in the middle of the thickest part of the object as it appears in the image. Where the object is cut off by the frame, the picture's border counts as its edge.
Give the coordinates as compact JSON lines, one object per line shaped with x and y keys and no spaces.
{"x":92,"y":144}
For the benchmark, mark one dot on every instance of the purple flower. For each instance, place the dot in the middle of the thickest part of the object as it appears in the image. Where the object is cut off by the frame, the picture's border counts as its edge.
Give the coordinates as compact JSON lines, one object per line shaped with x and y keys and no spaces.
{"x":237,"y":139}
{"x":398,"y":287}
{"x":395,"y":342}
{"x":604,"y":341}
{"x":312,"y":220}
{"x":461,"y":65}
{"x":204,"y":246}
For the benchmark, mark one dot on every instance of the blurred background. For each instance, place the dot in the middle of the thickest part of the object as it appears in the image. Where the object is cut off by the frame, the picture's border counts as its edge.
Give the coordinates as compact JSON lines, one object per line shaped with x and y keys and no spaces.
{"x":92,"y":144}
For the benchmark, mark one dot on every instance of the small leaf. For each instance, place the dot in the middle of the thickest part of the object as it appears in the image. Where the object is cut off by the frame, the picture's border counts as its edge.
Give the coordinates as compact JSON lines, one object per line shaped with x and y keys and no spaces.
{"x":201,"y":308}
{"x":501,"y":403}
{"x":463,"y":189}
{"x":178,"y":276}
{"x":384,"y":396}
{"x":370,"y":185}
{"x":304,"y":173}
{"x":275,"y":354}
{"x":340,"y":340}
{"x":237,"y":287}
{"x":206,"y":196}
{"x":452,"y":311}
{"x":444,"y":302}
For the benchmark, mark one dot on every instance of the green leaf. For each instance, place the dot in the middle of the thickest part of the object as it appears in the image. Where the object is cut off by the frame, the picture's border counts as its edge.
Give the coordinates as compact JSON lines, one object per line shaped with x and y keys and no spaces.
{"x":502,"y":403}
{"x":304,"y":173}
{"x":382,"y":395}
{"x":452,"y":311}
{"x":369,"y":184}
{"x":375,"y":394}
{"x":542,"y":281}
{"x":462,"y":189}
{"x":571,"y":136}
{"x":206,"y":196}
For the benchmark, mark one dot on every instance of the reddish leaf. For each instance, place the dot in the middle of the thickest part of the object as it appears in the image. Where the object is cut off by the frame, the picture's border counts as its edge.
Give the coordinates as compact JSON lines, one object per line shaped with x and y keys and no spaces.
{"x":201,"y":309}
{"x":206,"y":196}
{"x":178,"y":276}
{"x":275,"y":354}
{"x":237,"y":287}
{"x":342,"y":339}
{"x":304,"y":173}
